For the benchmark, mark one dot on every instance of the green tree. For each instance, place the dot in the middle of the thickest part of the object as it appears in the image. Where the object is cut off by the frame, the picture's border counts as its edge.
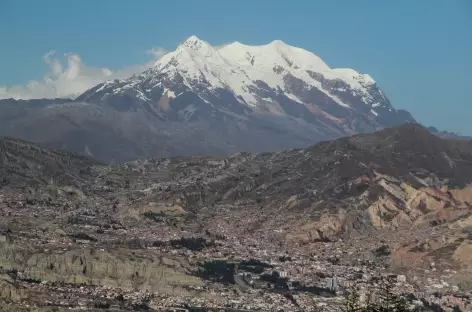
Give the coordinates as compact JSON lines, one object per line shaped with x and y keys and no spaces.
{"x":387,"y":300}
{"x":352,"y":302}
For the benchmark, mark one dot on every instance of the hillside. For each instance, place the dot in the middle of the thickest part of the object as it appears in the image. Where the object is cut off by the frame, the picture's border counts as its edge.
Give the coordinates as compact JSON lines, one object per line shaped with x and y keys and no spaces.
{"x":23,"y":164}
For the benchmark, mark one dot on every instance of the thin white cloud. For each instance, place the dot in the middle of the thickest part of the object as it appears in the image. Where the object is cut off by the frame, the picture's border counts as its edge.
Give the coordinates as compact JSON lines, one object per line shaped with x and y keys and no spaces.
{"x":157,"y":52}
{"x":73,"y":78}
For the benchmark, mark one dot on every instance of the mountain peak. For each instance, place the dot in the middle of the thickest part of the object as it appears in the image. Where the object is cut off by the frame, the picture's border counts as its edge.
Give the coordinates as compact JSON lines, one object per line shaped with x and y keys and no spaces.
{"x":192,"y":39}
{"x":195,"y":43}
{"x":278,"y":42}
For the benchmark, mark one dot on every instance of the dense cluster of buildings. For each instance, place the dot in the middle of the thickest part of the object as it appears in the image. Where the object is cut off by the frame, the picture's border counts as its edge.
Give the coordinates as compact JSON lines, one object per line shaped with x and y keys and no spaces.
{"x":318,"y":273}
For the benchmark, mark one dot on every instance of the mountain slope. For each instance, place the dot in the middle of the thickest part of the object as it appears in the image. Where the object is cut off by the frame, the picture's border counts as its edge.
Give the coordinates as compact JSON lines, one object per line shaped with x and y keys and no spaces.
{"x":23,"y":163}
{"x":198,"y":100}
{"x":328,"y":175}
{"x":115,"y":136}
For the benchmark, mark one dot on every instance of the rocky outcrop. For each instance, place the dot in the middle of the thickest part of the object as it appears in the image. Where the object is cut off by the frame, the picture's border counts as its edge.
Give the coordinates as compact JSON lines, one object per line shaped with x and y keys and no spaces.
{"x":403,"y":204}
{"x":10,"y":290}
{"x":117,"y":268}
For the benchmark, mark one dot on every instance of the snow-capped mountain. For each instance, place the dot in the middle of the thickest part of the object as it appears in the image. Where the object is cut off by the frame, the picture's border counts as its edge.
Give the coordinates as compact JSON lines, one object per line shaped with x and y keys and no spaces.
{"x":274,"y":78}
{"x":201,"y":100}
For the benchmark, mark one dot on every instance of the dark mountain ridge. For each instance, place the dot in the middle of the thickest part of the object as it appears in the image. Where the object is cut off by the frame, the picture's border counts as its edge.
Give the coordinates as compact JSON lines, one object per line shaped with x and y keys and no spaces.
{"x":26,"y":164}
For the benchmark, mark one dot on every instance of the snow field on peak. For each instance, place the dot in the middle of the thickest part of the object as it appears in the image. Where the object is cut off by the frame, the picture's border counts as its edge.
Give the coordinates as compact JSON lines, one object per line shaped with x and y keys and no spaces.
{"x":237,"y":66}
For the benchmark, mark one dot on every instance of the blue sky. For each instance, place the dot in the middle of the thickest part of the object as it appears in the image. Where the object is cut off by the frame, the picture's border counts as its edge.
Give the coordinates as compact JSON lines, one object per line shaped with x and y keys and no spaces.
{"x":419,"y":52}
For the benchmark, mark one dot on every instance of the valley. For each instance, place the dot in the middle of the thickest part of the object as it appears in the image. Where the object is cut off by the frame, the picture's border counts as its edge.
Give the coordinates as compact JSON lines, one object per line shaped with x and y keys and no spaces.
{"x":244,"y":232}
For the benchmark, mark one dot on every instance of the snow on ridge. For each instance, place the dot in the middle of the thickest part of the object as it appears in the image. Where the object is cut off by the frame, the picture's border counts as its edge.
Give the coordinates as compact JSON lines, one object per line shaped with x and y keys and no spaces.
{"x":298,"y":57}
{"x":237,"y":66}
